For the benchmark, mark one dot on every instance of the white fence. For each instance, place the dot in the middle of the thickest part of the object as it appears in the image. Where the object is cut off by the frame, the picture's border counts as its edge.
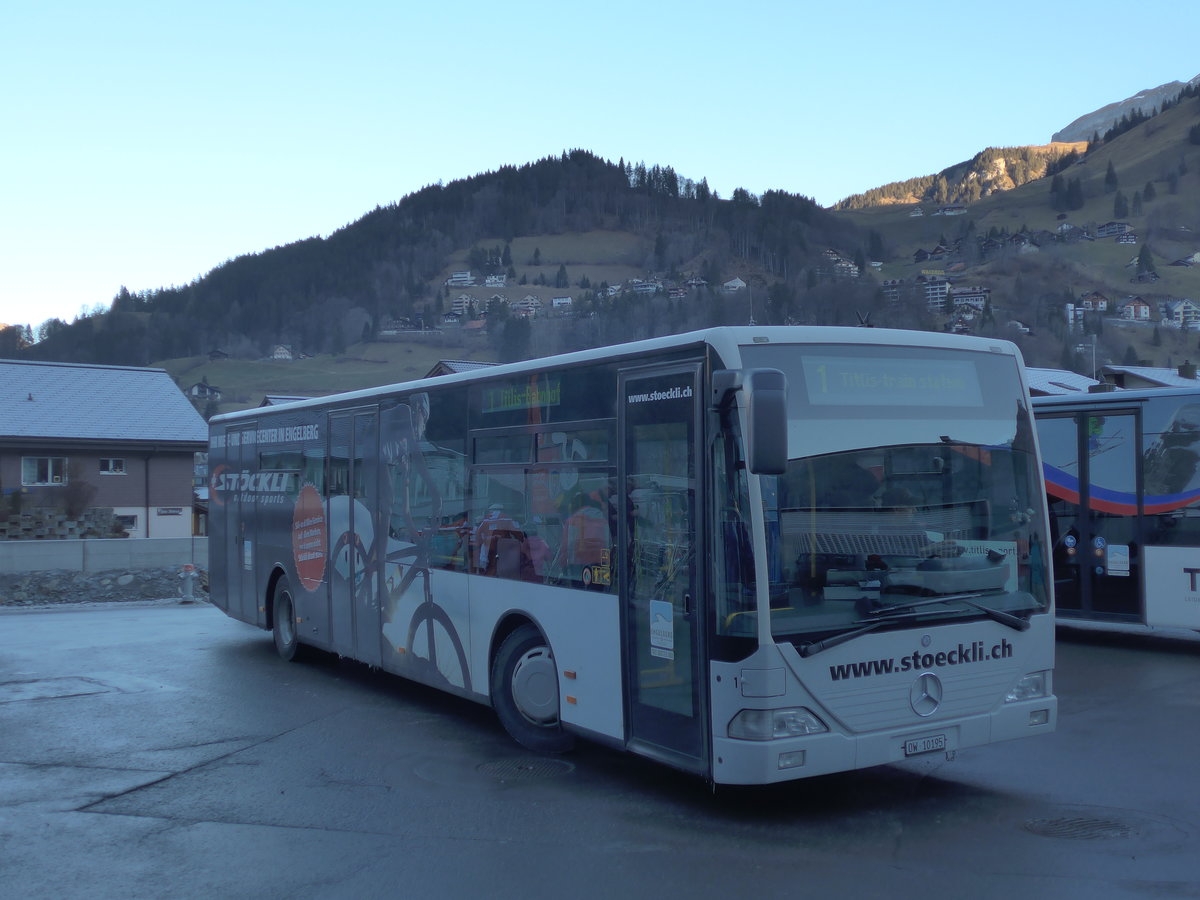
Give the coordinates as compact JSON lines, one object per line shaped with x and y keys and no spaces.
{"x":102,"y":555}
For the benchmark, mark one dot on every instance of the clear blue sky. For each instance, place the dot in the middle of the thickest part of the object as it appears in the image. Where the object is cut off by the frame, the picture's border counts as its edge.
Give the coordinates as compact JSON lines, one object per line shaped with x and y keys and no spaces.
{"x":146,"y":143}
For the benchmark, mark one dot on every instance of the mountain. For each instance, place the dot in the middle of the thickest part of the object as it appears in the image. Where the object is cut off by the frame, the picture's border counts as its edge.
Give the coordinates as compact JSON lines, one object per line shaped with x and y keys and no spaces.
{"x":1099,"y":121}
{"x":991,"y":171}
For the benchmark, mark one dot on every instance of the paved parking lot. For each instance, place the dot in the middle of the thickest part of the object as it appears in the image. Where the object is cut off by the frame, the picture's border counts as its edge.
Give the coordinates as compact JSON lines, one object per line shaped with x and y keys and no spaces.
{"x":162,"y":750}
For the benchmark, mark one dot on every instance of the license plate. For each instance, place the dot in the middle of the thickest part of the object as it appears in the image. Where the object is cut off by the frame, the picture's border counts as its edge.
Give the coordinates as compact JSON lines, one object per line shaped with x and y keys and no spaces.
{"x":925,"y":745}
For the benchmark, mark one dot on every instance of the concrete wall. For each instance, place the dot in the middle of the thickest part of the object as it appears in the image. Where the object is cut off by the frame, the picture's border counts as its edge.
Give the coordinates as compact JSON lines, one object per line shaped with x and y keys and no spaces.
{"x":102,"y":555}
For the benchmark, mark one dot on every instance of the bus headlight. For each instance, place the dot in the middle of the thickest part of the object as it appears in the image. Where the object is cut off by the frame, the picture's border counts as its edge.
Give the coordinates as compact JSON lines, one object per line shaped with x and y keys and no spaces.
{"x":768,"y":724}
{"x":1030,"y":687}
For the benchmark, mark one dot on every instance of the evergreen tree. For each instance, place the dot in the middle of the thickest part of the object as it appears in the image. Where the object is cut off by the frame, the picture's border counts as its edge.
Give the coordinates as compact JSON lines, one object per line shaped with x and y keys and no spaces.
{"x":1137,"y":203}
{"x":1145,"y":262}
{"x":1148,"y":192}
{"x":561,"y":280}
{"x":1120,"y":206}
{"x":1110,"y":178}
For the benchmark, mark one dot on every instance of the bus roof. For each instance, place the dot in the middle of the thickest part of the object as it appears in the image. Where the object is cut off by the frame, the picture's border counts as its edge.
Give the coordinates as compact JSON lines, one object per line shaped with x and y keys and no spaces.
{"x":725,"y":340}
{"x":1114,"y":398}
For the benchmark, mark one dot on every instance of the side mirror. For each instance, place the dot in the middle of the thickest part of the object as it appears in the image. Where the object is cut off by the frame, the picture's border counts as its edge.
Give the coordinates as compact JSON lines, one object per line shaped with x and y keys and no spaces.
{"x":766,"y":415}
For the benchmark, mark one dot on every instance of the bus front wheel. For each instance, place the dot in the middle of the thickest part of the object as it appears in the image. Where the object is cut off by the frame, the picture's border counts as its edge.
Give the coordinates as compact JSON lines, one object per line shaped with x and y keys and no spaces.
{"x":283,"y":623}
{"x":525,"y":692}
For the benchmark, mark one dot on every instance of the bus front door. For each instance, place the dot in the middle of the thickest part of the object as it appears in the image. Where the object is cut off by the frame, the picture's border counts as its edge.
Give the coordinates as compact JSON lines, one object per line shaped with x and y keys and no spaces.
{"x":660,"y":574}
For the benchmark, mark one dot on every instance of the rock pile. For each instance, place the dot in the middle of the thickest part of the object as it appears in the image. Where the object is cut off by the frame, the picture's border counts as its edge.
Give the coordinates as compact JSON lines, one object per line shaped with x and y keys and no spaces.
{"x":61,"y":586}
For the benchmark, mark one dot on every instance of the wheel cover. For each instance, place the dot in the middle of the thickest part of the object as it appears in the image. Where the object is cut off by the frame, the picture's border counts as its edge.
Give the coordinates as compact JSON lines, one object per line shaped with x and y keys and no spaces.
{"x":535,"y":686}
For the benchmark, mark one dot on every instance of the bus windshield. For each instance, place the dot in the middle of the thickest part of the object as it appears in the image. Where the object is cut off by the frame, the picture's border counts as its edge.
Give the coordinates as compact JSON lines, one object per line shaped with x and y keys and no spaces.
{"x":911,"y":494}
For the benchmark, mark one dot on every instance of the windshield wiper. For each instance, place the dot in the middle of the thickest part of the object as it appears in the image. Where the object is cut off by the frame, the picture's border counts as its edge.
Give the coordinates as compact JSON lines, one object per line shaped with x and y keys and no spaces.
{"x":882,"y":619}
{"x":999,"y":615}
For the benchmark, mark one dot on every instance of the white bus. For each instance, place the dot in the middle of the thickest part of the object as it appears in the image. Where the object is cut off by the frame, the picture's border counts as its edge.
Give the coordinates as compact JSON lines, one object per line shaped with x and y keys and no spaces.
{"x":1122,"y":472}
{"x":754,"y":554}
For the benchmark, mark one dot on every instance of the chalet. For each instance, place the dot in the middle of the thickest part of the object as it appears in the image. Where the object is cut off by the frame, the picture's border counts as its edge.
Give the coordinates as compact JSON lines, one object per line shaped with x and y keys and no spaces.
{"x":953,"y":209}
{"x":461,"y":279}
{"x":561,"y":303}
{"x":733,"y":285}
{"x":216,"y":354}
{"x":462,"y":304}
{"x":529,"y":305}
{"x":696,"y":281}
{"x":890,"y":289}
{"x":110,"y":441}
{"x":495,"y":280}
{"x":202,"y":390}
{"x":1135,"y":309}
{"x":1111,"y":229}
{"x":916,"y":211}
{"x":282,"y":351}
{"x":1094,"y":301}
{"x":1183,"y":313}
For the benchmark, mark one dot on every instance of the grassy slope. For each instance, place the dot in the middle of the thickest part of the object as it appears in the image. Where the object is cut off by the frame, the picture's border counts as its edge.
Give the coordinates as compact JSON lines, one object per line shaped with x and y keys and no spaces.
{"x":243,"y":383}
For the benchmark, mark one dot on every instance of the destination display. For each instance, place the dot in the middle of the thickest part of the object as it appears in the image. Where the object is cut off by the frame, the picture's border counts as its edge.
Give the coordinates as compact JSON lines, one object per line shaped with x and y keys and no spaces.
{"x":890,"y":381}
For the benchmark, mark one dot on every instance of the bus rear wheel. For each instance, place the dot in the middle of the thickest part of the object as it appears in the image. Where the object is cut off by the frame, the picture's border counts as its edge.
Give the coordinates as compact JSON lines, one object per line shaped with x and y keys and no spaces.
{"x":283,"y":623}
{"x":525,"y":692}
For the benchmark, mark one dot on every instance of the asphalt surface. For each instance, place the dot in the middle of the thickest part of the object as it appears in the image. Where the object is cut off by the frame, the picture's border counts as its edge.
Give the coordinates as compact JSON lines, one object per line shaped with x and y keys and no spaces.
{"x":162,"y":750}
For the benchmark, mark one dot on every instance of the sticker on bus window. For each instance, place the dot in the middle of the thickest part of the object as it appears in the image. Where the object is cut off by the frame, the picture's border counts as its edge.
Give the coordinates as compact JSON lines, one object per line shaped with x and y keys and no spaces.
{"x":662,"y":629}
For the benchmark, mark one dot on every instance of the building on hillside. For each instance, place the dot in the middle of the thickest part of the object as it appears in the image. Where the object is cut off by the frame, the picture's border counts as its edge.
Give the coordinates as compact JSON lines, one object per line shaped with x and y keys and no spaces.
{"x":973,"y":297}
{"x":1111,"y":229}
{"x":1093,"y":301}
{"x":461,"y":279}
{"x":204,"y":392}
{"x":84,"y":438}
{"x":282,"y":352}
{"x":1183,"y":313}
{"x":1135,"y":309}
{"x":733,"y":285}
{"x":935,"y":288}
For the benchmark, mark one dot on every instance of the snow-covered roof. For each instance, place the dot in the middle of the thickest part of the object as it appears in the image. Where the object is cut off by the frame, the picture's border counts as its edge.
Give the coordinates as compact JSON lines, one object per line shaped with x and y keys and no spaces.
{"x":1056,"y":381}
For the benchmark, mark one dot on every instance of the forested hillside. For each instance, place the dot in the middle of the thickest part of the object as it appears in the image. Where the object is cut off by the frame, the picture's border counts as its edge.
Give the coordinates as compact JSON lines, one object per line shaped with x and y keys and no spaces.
{"x":322,"y":294}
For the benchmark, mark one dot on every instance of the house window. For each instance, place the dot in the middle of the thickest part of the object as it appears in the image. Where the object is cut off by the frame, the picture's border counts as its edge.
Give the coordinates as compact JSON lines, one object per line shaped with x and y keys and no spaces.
{"x":39,"y":470}
{"x":112,"y":466}
{"x":127,"y":523}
